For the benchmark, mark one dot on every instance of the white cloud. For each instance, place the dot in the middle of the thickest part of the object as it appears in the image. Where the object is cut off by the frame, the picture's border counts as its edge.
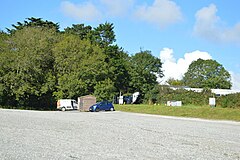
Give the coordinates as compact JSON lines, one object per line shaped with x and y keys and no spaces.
{"x":173,"y":68}
{"x":117,"y":7}
{"x":96,"y":10}
{"x":235,"y":80}
{"x":161,"y":13}
{"x":209,"y":26}
{"x":86,"y":11}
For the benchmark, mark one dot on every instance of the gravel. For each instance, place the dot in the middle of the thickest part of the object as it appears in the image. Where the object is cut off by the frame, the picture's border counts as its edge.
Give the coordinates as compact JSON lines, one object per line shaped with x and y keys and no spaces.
{"x":74,"y":135}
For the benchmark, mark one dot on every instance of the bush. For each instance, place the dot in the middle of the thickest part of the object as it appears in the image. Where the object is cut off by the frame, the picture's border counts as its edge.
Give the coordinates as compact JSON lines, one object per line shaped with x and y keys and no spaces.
{"x":229,"y":101}
{"x":162,"y":94}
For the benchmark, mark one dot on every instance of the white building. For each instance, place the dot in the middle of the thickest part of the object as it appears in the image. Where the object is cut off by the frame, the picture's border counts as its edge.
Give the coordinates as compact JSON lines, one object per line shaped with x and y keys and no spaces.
{"x":218,"y":92}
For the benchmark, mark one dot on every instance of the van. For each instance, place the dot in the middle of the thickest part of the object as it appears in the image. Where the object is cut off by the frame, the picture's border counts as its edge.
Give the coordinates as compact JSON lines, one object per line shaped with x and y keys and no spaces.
{"x":67,"y":104}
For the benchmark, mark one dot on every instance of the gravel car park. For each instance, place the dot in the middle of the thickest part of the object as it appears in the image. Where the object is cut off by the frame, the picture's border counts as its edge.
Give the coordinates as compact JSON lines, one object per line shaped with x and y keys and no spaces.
{"x":77,"y":135}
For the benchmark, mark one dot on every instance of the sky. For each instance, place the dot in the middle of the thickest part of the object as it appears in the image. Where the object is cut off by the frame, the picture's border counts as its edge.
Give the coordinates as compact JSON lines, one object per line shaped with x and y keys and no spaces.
{"x":176,"y":31}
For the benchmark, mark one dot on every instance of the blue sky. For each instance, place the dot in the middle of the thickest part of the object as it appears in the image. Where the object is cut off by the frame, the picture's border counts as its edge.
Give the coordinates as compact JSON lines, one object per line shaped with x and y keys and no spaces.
{"x":177,"y":31}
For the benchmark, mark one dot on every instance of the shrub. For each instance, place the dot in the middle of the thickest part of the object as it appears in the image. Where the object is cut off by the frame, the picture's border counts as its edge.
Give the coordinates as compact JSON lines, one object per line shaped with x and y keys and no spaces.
{"x":162,"y":94}
{"x":229,"y":101}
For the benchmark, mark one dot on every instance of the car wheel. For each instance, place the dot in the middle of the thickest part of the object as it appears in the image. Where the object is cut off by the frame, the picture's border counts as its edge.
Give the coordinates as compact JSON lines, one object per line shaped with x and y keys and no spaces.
{"x":97,"y":110}
{"x":111,"y":109}
{"x":63,"y":109}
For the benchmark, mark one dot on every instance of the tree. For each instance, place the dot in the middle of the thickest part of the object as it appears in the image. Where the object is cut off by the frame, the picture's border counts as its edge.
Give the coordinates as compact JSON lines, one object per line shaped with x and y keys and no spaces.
{"x":3,"y":66}
{"x":27,"y":66}
{"x":115,"y":58}
{"x":84,"y":32}
{"x":105,"y":90}
{"x":174,"y":82}
{"x":79,"y":65}
{"x":144,"y":70}
{"x":3,"y":41}
{"x":207,"y":74}
{"x":117,"y":62}
{"x":104,"y":34}
{"x":34,"y":22}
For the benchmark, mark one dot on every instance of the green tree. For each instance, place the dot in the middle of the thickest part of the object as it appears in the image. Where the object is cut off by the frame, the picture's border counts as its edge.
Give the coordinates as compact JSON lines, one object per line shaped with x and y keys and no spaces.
{"x":3,"y":41}
{"x":115,"y":57}
{"x":144,"y":70}
{"x":27,"y":66}
{"x":105,"y":90}
{"x":117,"y":61}
{"x":104,"y":34}
{"x":3,"y":66}
{"x":34,"y":22}
{"x":207,"y":74}
{"x":174,"y":82}
{"x":84,"y":32}
{"x":79,"y":66}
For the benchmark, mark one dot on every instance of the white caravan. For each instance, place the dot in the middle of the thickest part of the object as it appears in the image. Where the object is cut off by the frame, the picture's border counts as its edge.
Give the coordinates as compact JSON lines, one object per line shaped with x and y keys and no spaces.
{"x":66,"y":104}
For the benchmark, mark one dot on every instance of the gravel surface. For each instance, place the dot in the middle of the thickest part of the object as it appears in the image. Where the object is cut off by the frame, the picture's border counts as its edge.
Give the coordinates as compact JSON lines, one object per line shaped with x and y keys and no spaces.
{"x":73,"y":135}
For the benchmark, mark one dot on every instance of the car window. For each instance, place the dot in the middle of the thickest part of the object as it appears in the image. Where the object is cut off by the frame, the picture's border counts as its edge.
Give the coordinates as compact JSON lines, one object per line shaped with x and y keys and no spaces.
{"x":104,"y":102}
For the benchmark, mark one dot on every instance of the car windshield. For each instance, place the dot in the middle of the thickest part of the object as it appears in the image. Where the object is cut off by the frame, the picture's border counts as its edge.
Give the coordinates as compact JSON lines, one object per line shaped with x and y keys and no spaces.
{"x":103,"y":102}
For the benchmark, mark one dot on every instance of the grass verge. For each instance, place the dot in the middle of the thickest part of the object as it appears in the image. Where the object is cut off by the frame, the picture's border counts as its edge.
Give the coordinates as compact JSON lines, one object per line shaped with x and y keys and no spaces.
{"x":204,"y":112}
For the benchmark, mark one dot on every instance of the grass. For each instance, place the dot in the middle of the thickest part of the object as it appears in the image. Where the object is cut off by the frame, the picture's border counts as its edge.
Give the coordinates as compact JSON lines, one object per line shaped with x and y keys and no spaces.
{"x":204,"y":112}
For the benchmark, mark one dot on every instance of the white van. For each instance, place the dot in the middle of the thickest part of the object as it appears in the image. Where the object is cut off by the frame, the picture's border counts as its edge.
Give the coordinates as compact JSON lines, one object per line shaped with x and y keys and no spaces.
{"x":66,"y":104}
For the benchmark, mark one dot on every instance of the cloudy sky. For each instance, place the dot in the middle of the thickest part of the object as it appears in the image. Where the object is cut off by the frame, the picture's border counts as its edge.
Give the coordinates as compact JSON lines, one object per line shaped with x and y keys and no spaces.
{"x":177,"y":31}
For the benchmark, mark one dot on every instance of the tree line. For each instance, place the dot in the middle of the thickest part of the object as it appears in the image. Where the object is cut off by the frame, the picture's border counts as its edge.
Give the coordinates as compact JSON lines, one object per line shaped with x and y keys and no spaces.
{"x":40,"y":64}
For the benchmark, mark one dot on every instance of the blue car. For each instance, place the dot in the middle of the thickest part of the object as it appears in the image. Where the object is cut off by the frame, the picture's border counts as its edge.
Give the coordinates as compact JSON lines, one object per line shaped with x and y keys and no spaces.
{"x":102,"y":106}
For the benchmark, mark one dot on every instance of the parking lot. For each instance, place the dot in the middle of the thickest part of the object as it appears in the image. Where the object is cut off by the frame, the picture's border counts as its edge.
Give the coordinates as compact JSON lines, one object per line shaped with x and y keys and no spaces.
{"x":114,"y":135}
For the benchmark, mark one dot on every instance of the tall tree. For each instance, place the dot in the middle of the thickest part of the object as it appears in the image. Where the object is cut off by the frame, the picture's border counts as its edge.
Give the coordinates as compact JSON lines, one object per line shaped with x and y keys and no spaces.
{"x":84,"y":32}
{"x":79,"y":66}
{"x":144,"y":70}
{"x":4,"y":40}
{"x":27,"y":66}
{"x":104,"y":34}
{"x":117,"y":62}
{"x":34,"y":22}
{"x":207,"y":74}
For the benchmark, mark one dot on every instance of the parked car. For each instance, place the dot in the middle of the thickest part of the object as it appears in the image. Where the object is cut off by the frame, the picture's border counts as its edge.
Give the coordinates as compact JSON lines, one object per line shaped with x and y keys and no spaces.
{"x":102,"y":106}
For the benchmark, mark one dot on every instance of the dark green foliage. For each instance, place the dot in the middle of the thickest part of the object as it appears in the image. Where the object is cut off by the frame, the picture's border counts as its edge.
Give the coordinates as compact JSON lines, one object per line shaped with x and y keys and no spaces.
{"x":117,"y":61}
{"x":207,"y":74}
{"x":151,"y":97}
{"x":104,"y":34}
{"x":229,"y":101}
{"x":164,"y":94}
{"x":82,"y":31}
{"x":26,"y":67}
{"x":144,"y":70}
{"x":79,"y":66}
{"x":34,"y":22}
{"x":105,"y":90}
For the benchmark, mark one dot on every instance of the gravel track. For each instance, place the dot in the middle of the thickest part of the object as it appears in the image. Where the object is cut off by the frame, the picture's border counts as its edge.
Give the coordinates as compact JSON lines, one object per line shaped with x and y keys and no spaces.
{"x":77,"y":135}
